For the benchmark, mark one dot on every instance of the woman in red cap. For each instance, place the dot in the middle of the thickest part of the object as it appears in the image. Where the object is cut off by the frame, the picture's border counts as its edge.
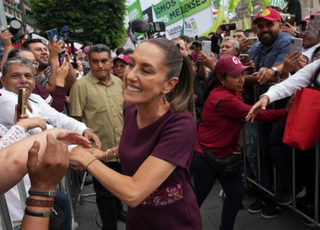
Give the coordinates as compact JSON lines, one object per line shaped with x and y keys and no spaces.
{"x":217,"y":152}
{"x":119,"y":65}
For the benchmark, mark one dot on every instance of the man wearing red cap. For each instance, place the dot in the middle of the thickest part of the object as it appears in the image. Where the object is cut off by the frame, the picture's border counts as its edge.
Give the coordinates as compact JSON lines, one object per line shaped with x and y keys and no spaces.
{"x":272,"y":48}
{"x":267,"y":55}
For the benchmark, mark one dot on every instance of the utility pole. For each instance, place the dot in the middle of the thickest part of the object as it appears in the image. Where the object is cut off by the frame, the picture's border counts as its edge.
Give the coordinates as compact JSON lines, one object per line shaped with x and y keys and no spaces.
{"x":3,"y":20}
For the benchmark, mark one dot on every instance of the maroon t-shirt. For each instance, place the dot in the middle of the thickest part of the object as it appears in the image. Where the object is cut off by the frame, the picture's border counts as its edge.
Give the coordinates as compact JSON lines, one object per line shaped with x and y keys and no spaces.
{"x":222,"y":118}
{"x":171,"y":138}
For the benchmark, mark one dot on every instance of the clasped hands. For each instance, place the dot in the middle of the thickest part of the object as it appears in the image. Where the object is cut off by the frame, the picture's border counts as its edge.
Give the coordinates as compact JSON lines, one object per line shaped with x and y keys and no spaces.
{"x":80,"y":156}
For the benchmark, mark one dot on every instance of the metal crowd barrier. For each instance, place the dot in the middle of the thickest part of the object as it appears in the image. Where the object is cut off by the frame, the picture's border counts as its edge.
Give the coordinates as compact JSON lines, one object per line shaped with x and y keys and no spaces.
{"x":4,"y":211}
{"x":292,"y":206}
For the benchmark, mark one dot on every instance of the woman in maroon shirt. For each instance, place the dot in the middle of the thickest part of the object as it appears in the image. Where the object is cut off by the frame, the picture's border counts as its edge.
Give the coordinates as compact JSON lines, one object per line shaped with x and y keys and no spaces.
{"x":157,"y":142}
{"x":222,"y":118}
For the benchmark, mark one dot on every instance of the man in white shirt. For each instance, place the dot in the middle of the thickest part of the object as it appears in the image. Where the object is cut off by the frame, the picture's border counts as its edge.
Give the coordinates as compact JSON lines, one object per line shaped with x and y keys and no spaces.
{"x":299,"y":80}
{"x":19,"y":73}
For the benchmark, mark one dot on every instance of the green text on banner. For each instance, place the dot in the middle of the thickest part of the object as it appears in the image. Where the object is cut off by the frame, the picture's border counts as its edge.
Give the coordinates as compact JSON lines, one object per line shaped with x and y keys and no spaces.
{"x":190,"y":7}
{"x":168,"y":11}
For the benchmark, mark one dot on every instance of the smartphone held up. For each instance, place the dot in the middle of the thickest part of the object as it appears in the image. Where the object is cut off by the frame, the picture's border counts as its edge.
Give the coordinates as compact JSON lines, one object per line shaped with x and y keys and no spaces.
{"x":313,"y":26}
{"x":51,"y":33}
{"x":295,"y":45}
{"x":206,"y":48}
{"x":230,"y":26}
{"x":21,"y":103}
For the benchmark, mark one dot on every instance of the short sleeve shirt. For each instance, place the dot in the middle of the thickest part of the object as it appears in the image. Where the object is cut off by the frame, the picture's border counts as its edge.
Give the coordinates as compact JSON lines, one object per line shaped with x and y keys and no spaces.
{"x":171,"y":138}
{"x":275,"y":54}
{"x":100,"y":107}
{"x":267,"y":58}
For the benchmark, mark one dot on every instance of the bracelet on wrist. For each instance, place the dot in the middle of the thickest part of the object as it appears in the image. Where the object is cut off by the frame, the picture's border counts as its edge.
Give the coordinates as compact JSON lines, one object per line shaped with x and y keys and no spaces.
{"x":90,"y":163}
{"x":114,"y":156}
{"x":39,"y":214}
{"x":43,"y":193}
{"x":39,"y":203}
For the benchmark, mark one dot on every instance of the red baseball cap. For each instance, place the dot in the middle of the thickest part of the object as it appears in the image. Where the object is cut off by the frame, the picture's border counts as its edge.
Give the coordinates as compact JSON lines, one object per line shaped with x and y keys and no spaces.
{"x":122,"y":57}
{"x":230,"y":65}
{"x":268,"y":14}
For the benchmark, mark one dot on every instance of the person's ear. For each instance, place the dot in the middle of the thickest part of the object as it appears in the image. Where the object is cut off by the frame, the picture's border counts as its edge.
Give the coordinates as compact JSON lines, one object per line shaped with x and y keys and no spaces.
{"x":222,"y":81}
{"x":170,"y":84}
{"x":280,"y":25}
{"x":2,"y":80}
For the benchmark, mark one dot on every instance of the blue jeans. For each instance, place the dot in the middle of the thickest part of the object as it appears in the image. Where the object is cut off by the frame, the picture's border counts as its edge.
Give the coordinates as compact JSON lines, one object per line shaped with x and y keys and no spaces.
{"x":62,"y":221}
{"x":204,"y":177}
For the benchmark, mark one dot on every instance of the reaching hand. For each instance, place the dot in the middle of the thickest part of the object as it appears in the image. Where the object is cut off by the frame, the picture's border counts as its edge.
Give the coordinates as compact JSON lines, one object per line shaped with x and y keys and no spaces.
{"x":290,"y":62}
{"x":62,"y":71}
{"x":33,"y":122}
{"x":6,"y":36}
{"x":29,"y":123}
{"x":290,"y":29}
{"x":261,"y":104}
{"x":46,"y":172}
{"x":264,"y":75}
{"x":207,"y":61}
{"x":71,"y":138}
{"x":54,"y":47}
{"x":244,"y":45}
{"x":91,"y":136}
{"x":77,"y":157}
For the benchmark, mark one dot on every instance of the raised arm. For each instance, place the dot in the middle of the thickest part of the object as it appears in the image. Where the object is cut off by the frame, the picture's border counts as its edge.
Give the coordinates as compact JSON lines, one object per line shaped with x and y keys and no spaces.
{"x":5,"y":36}
{"x":131,"y":190}
{"x":17,"y":154}
{"x":45,"y":173}
{"x":168,"y":154}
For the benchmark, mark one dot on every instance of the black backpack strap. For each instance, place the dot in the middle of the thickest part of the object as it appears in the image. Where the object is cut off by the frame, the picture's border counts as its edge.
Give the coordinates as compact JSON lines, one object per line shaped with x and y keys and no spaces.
{"x":219,"y":103}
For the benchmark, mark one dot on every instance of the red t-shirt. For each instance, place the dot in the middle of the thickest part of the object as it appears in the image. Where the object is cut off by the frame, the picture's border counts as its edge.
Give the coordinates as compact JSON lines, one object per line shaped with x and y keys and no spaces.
{"x":222,"y":118}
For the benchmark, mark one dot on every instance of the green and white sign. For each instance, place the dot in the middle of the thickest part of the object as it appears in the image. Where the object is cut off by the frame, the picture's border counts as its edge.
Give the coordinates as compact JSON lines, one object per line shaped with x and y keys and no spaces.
{"x":134,"y":11}
{"x":198,"y":17}
{"x":182,"y":17}
{"x":168,"y":11}
{"x":191,"y":7}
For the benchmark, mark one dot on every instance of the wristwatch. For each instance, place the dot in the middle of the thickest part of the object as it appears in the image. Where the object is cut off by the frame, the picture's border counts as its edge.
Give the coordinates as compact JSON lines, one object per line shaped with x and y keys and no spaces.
{"x":275,"y":71}
{"x":43,"y":193}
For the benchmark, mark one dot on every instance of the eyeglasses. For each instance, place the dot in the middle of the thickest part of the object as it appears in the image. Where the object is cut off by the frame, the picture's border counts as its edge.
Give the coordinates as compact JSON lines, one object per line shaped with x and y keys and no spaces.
{"x":35,"y":63}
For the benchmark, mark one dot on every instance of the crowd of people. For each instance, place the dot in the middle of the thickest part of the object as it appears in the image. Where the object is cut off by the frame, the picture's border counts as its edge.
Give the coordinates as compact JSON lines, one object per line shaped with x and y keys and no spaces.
{"x":144,"y":122}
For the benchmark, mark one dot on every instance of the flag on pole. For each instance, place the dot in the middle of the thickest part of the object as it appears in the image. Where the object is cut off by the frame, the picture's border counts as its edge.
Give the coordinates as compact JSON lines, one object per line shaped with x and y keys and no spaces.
{"x":250,"y":6}
{"x":245,"y":23}
{"x":233,"y":4}
{"x":223,"y":7}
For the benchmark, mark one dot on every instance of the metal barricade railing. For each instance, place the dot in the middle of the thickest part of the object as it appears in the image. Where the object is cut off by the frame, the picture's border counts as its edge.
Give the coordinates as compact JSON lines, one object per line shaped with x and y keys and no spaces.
{"x":4,"y":214}
{"x":315,"y":219}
